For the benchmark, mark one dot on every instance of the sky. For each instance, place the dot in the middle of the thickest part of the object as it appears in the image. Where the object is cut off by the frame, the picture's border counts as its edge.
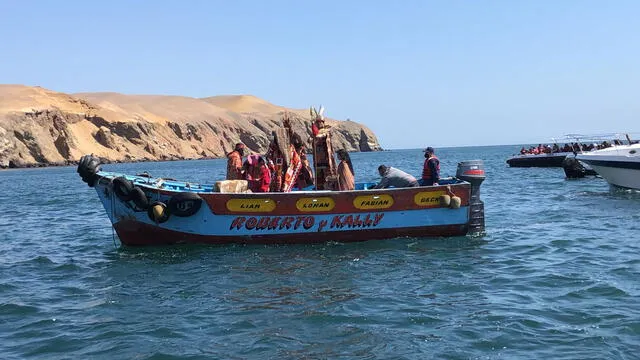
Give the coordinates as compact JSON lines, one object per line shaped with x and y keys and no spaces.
{"x":418,"y":73}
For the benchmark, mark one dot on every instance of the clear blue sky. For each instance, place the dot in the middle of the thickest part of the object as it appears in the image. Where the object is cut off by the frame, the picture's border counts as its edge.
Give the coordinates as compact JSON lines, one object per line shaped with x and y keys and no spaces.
{"x":441,"y":73}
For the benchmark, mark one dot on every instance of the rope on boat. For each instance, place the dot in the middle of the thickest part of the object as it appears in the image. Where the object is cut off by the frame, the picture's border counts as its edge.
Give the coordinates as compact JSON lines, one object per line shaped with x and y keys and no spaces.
{"x":155,"y":218}
{"x":113,"y":216}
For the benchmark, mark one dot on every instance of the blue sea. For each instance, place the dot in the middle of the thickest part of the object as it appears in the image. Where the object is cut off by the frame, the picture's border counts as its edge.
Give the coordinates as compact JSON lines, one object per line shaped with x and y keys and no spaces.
{"x":557,"y":276}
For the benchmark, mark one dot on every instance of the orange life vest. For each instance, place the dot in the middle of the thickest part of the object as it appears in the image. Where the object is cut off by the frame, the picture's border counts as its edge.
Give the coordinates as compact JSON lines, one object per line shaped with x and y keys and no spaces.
{"x":426,"y":171}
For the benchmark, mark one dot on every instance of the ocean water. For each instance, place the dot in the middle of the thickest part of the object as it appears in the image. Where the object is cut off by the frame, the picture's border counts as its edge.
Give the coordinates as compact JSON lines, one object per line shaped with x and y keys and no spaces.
{"x":557,"y":276}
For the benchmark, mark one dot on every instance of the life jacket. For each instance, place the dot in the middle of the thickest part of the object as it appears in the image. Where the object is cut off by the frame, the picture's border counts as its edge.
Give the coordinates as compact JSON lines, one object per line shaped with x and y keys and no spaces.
{"x":426,"y":171}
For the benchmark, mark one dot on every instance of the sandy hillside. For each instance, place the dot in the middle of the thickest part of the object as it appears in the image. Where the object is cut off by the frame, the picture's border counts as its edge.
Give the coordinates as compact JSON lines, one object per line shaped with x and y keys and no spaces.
{"x":44,"y":127}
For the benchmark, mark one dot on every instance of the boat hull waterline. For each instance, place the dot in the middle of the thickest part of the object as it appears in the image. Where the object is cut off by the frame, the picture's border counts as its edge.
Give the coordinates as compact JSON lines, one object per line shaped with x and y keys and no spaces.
{"x":284,"y":218}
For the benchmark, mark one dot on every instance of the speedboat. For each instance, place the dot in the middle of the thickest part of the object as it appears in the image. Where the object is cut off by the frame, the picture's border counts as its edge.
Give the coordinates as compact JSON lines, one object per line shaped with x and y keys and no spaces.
{"x":558,"y":156}
{"x":538,"y":160}
{"x":619,"y":165}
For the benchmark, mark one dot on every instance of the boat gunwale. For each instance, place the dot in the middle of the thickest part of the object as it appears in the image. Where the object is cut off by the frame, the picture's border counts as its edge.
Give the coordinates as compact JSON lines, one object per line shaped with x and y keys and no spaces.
{"x":151,"y":186}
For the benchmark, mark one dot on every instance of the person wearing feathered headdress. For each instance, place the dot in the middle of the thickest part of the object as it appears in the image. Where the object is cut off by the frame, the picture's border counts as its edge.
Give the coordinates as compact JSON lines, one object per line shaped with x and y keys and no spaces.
{"x":318,"y":120}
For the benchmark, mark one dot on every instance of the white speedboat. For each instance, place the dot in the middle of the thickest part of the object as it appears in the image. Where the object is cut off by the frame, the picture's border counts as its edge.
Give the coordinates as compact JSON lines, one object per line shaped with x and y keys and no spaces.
{"x":619,"y":165}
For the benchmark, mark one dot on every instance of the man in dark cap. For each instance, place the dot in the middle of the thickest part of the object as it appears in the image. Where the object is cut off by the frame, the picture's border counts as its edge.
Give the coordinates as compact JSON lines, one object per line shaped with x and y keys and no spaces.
{"x":234,"y":163}
{"x":431,"y":170}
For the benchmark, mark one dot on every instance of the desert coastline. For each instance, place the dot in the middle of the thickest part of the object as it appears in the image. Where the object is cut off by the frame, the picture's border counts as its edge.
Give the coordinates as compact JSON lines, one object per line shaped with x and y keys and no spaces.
{"x":41,"y":127}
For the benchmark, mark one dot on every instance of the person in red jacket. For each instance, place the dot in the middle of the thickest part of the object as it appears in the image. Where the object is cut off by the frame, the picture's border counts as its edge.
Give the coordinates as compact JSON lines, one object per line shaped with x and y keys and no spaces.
{"x":265,"y":175}
{"x":431,"y":170}
{"x":258,"y":174}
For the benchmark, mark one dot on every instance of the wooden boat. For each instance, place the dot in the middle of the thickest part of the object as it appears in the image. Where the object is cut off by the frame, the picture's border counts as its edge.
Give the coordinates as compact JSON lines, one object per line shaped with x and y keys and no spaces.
{"x":152,"y":211}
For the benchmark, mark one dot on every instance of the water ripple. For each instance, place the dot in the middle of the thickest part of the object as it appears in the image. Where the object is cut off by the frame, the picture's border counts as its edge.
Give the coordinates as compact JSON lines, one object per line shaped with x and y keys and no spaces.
{"x":554,"y":277}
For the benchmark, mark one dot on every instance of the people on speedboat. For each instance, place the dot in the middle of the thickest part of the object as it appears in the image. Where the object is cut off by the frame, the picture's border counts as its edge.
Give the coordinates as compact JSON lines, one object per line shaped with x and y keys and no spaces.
{"x":392,"y":177}
{"x":543,"y":149}
{"x":234,"y":163}
{"x":575,"y":147}
{"x":431,"y":168}
{"x":346,"y":179}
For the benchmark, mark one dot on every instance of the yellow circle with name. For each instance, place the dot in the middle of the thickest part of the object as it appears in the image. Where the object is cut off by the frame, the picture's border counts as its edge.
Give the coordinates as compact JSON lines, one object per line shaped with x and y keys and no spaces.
{"x":373,"y":202}
{"x":251,"y":205}
{"x":428,"y":198}
{"x":318,"y":204}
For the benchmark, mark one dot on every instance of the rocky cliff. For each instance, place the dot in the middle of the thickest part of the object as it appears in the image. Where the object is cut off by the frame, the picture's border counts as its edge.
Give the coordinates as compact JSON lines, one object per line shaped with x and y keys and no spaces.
{"x":40,"y":127}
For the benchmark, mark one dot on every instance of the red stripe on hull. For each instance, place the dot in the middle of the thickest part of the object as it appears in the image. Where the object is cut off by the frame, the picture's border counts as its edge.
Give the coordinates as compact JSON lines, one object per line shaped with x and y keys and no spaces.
{"x":135,"y":233}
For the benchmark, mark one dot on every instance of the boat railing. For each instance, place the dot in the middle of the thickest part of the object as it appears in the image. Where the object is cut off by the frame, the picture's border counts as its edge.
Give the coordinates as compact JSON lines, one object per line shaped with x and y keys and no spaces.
{"x":152,"y":183}
{"x":619,"y":137}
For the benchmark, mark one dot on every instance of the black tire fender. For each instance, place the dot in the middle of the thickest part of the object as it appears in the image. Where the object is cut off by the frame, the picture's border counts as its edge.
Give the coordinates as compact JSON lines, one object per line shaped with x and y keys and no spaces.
{"x":93,"y":166}
{"x":82,"y":164}
{"x":123,"y":188}
{"x":88,"y":167}
{"x":185,"y":204}
{"x":139,"y":198}
{"x":90,"y":179}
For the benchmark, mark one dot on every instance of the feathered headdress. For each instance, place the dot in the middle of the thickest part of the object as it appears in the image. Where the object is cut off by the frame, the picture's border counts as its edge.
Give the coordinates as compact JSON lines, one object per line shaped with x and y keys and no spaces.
{"x":317,"y":114}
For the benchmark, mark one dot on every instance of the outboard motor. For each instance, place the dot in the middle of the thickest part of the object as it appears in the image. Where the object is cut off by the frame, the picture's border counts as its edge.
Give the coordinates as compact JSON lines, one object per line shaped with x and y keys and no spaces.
{"x":574,"y":169}
{"x":472,"y":171}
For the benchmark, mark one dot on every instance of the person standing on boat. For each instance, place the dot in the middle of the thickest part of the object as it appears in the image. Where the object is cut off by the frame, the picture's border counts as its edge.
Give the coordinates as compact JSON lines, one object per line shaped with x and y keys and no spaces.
{"x":257,"y":174}
{"x":431,"y":169}
{"x":306,"y":173}
{"x":392,"y":177}
{"x":234,"y":163}
{"x":346,"y":180}
{"x":316,"y":126}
